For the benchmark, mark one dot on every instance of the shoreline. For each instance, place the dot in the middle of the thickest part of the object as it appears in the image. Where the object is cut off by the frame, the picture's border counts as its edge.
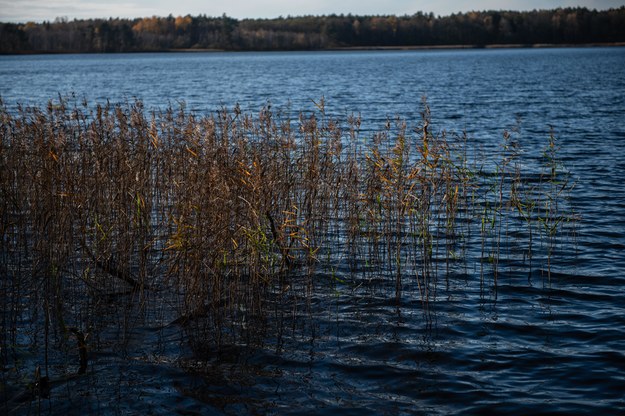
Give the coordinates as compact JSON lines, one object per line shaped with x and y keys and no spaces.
{"x":344,"y":48}
{"x":488,"y":46}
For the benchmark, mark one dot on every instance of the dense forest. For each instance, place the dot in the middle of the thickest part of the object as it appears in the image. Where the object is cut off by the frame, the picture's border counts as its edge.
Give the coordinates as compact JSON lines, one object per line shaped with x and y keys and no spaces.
{"x":559,"y":26}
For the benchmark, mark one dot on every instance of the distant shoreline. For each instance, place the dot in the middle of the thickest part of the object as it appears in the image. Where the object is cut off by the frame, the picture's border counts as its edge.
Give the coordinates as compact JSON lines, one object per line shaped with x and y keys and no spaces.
{"x":344,"y":48}
{"x":561,"y":27}
{"x":489,"y":46}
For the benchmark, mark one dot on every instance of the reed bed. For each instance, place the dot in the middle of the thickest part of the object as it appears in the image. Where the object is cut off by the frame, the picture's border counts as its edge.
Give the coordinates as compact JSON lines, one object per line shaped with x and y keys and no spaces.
{"x":207,"y":221}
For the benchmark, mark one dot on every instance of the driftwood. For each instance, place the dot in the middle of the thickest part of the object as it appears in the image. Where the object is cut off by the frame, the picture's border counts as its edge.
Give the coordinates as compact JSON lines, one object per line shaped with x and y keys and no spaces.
{"x":42,"y":385}
{"x":200,"y":312}
{"x":111,"y":268}
{"x":82,"y":349}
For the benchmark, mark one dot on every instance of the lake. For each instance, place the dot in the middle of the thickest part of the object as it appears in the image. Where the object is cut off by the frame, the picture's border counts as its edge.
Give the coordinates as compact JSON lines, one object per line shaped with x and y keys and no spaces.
{"x":527,"y":345}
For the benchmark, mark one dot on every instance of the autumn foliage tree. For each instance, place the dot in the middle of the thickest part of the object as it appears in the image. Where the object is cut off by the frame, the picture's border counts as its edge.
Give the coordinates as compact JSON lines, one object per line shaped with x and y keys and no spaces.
{"x":558,"y":26}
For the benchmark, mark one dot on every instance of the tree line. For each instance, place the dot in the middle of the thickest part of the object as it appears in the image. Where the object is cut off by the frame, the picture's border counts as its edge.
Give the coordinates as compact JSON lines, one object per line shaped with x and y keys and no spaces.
{"x":557,"y":26}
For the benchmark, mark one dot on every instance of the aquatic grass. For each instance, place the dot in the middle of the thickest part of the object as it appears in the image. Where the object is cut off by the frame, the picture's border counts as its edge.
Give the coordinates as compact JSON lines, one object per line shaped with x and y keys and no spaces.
{"x":212,"y":222}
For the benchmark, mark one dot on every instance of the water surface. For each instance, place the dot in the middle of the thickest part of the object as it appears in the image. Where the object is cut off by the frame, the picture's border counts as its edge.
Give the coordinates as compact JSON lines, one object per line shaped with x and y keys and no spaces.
{"x":529,"y":345}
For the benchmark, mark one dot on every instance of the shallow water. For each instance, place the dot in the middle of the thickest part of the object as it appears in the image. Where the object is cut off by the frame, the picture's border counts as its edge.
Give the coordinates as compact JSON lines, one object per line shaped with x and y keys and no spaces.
{"x":531,"y":344}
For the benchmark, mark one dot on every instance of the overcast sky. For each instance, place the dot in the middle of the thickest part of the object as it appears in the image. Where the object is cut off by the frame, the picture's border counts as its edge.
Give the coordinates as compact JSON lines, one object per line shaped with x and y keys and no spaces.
{"x":39,"y":10}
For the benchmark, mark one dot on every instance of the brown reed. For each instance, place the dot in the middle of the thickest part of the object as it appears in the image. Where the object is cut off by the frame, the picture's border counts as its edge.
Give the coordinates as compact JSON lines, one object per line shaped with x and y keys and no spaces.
{"x":222,"y":214}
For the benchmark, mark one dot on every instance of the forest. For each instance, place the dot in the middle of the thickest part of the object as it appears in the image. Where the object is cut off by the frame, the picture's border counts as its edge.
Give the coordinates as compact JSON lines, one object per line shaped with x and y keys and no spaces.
{"x":558,"y":27}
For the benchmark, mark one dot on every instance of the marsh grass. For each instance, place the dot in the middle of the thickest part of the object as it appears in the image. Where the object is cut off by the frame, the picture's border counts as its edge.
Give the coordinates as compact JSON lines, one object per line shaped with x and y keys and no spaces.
{"x":208,"y":221}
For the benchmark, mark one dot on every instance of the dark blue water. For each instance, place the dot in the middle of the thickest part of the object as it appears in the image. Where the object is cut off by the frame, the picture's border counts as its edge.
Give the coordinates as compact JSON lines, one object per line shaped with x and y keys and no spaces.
{"x":530,"y":345}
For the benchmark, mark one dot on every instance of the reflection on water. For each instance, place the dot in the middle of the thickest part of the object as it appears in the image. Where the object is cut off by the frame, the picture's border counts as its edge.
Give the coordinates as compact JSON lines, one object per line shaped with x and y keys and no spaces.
{"x":529,"y":348}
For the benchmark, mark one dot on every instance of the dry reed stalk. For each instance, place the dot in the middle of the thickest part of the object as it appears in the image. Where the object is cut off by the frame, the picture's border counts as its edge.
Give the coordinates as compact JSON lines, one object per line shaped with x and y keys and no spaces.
{"x":224,"y":212}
